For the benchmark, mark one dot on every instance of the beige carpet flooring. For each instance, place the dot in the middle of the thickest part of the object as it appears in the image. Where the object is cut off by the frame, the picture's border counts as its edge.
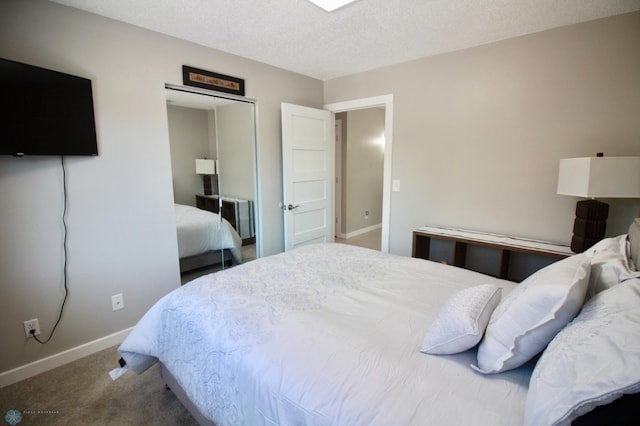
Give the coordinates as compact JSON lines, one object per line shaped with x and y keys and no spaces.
{"x":371,"y":239}
{"x":82,"y":393}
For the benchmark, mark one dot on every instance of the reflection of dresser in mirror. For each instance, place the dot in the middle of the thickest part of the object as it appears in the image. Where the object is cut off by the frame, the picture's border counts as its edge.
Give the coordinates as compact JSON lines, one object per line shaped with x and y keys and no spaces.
{"x":238,"y":212}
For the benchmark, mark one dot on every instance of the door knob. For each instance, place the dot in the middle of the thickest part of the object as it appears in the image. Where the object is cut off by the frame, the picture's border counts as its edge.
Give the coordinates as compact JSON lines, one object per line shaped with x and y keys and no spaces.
{"x":291,"y":207}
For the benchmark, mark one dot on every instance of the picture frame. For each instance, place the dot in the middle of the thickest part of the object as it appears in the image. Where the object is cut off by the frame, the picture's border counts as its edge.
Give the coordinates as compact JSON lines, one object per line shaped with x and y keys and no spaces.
{"x":211,"y":80}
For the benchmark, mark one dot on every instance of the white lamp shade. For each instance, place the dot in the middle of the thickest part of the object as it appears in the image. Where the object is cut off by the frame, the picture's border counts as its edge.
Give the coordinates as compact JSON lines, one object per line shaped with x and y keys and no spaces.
{"x":205,"y":167}
{"x":601,"y":177}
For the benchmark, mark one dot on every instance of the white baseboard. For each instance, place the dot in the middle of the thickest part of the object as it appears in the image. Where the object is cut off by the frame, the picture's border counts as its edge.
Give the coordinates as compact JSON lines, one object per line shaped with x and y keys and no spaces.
{"x":49,"y":363}
{"x":360,"y":231}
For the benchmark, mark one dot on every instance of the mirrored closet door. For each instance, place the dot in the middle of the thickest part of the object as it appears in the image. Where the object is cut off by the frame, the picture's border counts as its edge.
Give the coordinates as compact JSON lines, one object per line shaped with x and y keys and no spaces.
{"x":213,"y":159}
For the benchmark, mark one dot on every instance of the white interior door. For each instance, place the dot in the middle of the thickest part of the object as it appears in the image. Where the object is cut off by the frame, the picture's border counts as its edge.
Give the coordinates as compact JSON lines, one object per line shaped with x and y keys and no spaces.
{"x":307,"y":168}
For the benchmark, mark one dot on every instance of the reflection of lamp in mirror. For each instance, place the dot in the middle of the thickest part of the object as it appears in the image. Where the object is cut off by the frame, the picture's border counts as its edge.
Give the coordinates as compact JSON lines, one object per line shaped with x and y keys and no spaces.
{"x":591,"y":177}
{"x":206,"y":168}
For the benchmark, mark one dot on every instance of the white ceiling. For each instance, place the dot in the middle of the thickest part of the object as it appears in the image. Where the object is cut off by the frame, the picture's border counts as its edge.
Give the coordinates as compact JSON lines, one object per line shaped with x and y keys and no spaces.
{"x":299,"y":36}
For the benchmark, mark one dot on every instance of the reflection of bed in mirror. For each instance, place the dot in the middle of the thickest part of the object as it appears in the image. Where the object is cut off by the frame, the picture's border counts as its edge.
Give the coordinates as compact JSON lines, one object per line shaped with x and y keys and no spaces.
{"x":205,"y":239}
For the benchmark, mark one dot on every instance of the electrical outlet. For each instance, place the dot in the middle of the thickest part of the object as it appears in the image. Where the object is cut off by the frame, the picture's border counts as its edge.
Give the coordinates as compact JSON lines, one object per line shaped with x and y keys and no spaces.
{"x":32,"y":325}
{"x":117,"y":302}
{"x":366,"y":214}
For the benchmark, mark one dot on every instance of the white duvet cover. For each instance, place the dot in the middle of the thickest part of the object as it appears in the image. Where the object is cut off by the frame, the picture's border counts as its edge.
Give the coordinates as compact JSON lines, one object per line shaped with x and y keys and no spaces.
{"x":200,"y":231}
{"x":326,"y":334}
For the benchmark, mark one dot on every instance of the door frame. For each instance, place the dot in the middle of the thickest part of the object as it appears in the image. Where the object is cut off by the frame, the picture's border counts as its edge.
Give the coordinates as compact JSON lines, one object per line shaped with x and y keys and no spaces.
{"x":337,"y":194}
{"x":386,"y":102}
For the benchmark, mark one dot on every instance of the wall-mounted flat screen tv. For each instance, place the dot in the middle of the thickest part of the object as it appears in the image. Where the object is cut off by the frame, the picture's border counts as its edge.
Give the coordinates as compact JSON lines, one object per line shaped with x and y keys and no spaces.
{"x":45,"y":112}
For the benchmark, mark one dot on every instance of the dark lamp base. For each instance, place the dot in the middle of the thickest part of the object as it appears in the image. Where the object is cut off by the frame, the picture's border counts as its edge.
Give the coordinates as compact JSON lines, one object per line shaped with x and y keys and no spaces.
{"x":590,"y":224}
{"x":206,"y":180}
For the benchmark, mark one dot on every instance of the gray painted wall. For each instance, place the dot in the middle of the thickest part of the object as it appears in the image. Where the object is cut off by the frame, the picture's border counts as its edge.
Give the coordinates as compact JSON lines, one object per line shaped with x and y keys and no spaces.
{"x":188,"y":140}
{"x":364,"y":157}
{"x":236,"y":149}
{"x":478,"y":133}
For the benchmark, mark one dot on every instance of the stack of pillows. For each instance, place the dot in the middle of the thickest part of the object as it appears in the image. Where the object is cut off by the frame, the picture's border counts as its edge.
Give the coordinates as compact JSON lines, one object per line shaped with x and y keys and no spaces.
{"x":582,"y":313}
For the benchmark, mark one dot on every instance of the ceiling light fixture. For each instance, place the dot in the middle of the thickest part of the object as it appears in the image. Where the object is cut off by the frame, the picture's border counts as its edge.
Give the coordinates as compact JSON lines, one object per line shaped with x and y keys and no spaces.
{"x":331,"y":5}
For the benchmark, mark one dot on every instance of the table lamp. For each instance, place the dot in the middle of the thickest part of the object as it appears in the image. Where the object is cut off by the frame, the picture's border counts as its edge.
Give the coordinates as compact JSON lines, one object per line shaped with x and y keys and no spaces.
{"x":596,"y":177}
{"x":206,"y":168}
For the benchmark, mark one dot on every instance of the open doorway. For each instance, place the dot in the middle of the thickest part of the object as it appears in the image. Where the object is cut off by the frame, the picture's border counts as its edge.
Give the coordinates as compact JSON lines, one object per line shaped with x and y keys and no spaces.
{"x":359,"y":170}
{"x":381,"y":103}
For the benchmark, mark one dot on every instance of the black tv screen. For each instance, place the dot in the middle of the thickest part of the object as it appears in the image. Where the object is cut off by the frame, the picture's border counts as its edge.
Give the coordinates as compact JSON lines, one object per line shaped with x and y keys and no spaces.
{"x":45,"y":112}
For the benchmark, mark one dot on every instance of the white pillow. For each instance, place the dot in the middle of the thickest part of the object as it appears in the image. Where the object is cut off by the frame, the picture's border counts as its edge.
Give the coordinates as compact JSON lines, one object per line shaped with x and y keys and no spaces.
{"x":592,"y":362}
{"x":531,"y":315}
{"x":462,"y":320}
{"x":610,"y":264}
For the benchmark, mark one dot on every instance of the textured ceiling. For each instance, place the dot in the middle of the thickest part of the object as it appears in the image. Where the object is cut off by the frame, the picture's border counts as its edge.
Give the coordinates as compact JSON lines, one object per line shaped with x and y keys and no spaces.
{"x":299,"y":36}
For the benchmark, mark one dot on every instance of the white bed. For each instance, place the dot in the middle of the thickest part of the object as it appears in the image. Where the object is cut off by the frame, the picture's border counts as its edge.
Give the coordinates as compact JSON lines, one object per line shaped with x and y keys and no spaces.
{"x":201,"y":232}
{"x":272,"y":349}
{"x":330,"y":334}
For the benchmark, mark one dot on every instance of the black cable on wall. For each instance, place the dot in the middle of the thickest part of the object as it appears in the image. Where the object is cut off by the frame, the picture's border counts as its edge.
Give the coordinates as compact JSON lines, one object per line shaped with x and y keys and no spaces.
{"x":64,"y":260}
